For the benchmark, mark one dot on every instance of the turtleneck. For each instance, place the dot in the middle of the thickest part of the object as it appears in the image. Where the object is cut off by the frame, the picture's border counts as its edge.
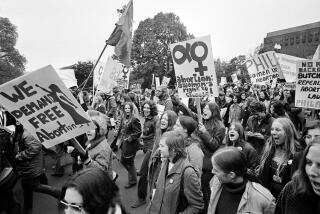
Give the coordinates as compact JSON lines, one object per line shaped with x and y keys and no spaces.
{"x":230,"y":197}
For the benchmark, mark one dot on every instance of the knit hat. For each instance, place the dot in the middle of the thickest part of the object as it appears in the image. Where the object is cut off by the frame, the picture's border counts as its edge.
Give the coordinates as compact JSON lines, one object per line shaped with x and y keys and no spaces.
{"x":101,"y":120}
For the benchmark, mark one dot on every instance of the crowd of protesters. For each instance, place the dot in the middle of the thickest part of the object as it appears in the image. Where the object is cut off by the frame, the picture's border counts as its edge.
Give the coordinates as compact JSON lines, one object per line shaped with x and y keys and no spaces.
{"x":249,"y":150}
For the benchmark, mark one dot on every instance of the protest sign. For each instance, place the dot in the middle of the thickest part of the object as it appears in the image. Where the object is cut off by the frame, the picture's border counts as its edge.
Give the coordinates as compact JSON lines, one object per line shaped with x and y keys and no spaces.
{"x":194,"y":68}
{"x":111,"y":73}
{"x":289,"y":86}
{"x":68,"y":78}
{"x":157,"y":82}
{"x":165,"y":81}
{"x":97,"y":73}
{"x":308,"y":84}
{"x":40,"y":101}
{"x":263,"y":68}
{"x":234,"y":78}
{"x":288,"y":65}
{"x":223,"y":81}
{"x":160,"y":109}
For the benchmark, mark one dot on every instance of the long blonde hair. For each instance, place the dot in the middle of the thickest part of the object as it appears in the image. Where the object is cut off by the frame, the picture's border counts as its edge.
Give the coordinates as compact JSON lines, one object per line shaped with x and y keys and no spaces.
{"x":291,"y":143}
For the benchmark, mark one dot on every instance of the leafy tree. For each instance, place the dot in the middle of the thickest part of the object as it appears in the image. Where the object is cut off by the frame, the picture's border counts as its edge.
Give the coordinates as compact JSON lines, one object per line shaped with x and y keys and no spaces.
{"x":12,"y":63}
{"x":150,"y":48}
{"x":82,"y":71}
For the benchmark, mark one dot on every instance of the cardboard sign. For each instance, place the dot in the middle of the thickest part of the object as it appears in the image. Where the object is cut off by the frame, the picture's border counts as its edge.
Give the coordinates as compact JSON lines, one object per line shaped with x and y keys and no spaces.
{"x":234,"y":78}
{"x":308,"y":84}
{"x":194,"y":68}
{"x":68,"y":78}
{"x":263,"y":68}
{"x":288,"y":65}
{"x":160,"y":110}
{"x":165,"y":81}
{"x":45,"y":107}
{"x":223,"y":81}
{"x":111,"y":73}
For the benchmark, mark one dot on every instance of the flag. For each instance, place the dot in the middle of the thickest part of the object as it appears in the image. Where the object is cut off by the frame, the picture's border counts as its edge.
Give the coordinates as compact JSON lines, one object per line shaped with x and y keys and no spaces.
{"x":316,"y":55}
{"x":121,"y":36}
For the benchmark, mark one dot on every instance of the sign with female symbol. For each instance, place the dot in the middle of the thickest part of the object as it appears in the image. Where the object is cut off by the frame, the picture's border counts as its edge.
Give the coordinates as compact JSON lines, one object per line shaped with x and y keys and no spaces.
{"x":194,"y":68}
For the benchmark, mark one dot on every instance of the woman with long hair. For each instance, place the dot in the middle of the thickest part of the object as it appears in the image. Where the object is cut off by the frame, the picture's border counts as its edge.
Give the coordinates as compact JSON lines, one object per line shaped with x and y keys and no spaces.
{"x":177,"y":180}
{"x":302,"y":194}
{"x":211,"y":133}
{"x":98,"y":104}
{"x":150,"y":114}
{"x":280,"y":157}
{"x":166,"y":123}
{"x":91,"y":191}
{"x":235,"y":138}
{"x":130,"y":129}
{"x":233,"y":190}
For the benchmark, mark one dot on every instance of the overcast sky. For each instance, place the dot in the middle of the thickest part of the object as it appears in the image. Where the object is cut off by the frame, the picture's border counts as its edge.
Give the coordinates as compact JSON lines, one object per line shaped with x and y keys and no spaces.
{"x":62,"y":32}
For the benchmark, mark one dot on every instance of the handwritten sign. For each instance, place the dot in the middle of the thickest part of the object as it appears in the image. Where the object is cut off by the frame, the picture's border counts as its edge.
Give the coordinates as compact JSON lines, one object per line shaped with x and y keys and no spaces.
{"x":288,"y":65}
{"x":45,"y":107}
{"x":308,"y":84}
{"x":263,"y":68}
{"x":194,"y":68}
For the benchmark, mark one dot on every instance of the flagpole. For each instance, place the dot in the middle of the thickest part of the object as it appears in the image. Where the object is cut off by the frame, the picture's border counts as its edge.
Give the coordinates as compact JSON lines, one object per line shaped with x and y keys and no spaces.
{"x":95,"y":65}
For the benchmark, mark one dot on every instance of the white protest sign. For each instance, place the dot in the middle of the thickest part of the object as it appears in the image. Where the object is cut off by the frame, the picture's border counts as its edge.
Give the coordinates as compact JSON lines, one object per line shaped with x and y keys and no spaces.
{"x":45,"y":107}
{"x":160,"y":109}
{"x":263,"y":68}
{"x":165,"y":81}
{"x":194,"y":68}
{"x":308,"y":84}
{"x":157,"y":82}
{"x":111,"y":73}
{"x":97,"y":73}
{"x":234,"y":78}
{"x":68,"y":78}
{"x":288,"y":65}
{"x":223,"y":81}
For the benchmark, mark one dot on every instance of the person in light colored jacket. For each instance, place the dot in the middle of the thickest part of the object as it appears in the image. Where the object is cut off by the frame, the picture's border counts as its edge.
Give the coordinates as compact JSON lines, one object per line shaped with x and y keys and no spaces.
{"x":233,"y":190}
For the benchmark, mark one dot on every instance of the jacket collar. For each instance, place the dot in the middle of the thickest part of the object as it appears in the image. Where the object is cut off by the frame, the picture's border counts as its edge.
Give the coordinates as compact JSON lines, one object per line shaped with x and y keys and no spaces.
{"x":177,"y":167}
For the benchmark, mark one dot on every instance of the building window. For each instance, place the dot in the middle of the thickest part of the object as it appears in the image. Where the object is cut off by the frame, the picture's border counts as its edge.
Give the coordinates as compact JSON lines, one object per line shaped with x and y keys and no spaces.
{"x":310,"y":37}
{"x":304,"y":37}
{"x":291,"y":40}
{"x":298,"y":38}
{"x":286,"y":41}
{"x":316,"y":36}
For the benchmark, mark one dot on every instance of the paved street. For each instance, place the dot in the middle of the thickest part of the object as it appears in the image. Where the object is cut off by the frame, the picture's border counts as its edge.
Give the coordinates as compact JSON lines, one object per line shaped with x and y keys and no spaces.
{"x":48,"y":205}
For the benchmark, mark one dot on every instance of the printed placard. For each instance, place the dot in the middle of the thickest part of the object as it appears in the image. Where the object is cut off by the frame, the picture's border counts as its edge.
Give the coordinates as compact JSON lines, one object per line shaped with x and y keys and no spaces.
{"x":263,"y":68}
{"x":234,"y":78}
{"x":308,"y":84}
{"x":194,"y":68}
{"x":45,"y":107}
{"x":288,"y":65}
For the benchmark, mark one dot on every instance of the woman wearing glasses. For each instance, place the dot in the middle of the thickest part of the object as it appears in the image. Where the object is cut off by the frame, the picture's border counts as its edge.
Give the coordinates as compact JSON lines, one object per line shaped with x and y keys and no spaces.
{"x":91,"y":191}
{"x":311,"y":132}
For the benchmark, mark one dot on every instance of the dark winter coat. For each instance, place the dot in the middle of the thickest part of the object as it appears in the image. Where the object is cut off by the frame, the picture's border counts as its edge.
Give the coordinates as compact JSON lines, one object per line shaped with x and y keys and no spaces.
{"x":28,"y":160}
{"x":131,"y":132}
{"x":149,"y":132}
{"x":290,"y":203}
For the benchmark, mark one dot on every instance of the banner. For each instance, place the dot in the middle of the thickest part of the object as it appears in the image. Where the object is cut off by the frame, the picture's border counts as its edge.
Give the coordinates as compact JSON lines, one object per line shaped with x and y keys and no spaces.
{"x":194,"y":68}
{"x":308,"y":84}
{"x":288,"y":65}
{"x":264,"y":68}
{"x":234,"y":78}
{"x":157,"y":82}
{"x":68,"y":78}
{"x":111,"y":73}
{"x":40,"y":101}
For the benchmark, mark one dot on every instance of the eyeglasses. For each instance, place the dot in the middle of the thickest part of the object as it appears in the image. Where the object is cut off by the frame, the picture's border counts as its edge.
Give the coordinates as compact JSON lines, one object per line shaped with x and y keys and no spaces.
{"x":74,"y":207}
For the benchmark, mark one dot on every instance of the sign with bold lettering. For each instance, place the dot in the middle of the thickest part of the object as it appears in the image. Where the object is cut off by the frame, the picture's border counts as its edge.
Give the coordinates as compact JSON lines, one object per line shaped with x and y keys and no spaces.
{"x":264,"y":68}
{"x":45,"y":107}
{"x":288,"y":65}
{"x":308,"y":84}
{"x":194,"y":68}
